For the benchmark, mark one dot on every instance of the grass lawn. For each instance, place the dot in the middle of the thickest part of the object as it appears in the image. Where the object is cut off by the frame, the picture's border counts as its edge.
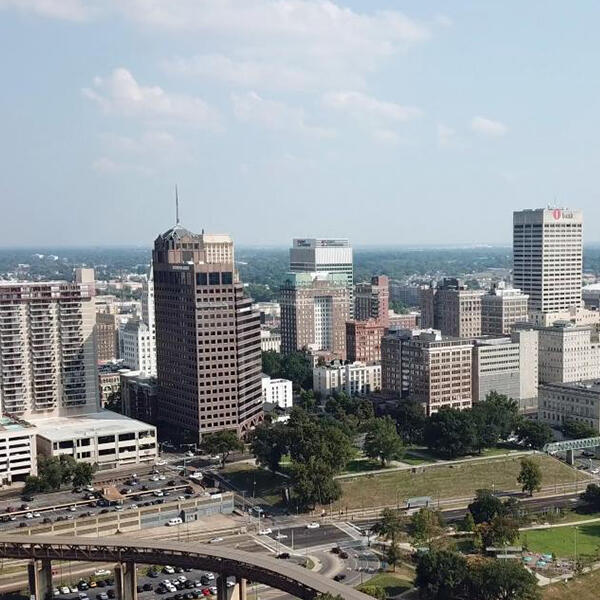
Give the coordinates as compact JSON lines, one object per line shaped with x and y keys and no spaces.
{"x":561,"y":540}
{"x":393,"y":583}
{"x":584,"y":587}
{"x":447,"y":481}
{"x":244,"y":477}
{"x":363,"y":464}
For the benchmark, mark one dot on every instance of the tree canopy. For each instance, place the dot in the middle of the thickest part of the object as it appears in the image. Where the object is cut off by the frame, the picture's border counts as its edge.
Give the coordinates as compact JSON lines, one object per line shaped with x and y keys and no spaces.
{"x":222,"y":443}
{"x":382,"y":441}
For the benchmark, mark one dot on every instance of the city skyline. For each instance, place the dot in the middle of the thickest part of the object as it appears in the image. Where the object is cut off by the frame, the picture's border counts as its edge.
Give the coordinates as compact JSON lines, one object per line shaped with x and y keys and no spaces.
{"x":297,"y":122}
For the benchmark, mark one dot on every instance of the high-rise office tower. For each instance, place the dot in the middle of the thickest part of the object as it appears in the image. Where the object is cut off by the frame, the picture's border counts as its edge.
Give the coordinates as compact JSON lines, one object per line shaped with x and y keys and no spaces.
{"x":207,"y":336}
{"x":452,"y":308}
{"x":48,"y":347}
{"x":314,"y":311}
{"x":148,"y":316}
{"x":548,"y":258}
{"x":323,"y":254}
{"x":501,"y":308}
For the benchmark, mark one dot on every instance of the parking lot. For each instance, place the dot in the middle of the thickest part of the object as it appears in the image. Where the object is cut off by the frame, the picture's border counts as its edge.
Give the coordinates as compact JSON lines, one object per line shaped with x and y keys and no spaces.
{"x":155,"y":488}
{"x":167,"y":583}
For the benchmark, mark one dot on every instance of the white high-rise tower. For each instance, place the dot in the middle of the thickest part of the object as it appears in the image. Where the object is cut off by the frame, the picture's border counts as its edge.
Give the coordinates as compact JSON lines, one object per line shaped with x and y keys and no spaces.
{"x":548,"y":259}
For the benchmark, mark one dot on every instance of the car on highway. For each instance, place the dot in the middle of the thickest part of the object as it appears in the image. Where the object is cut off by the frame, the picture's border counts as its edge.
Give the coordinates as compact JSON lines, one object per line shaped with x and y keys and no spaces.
{"x":281,"y":536}
{"x":339,"y":577}
{"x":313,"y":525}
{"x":160,"y":462}
{"x":174,"y":521}
{"x":267,"y":531}
{"x":157,"y":493}
{"x":215,"y":540}
{"x":283,"y":555}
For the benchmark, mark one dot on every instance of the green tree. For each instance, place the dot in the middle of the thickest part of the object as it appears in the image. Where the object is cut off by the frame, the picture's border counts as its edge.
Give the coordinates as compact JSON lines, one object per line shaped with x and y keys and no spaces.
{"x":442,"y":575}
{"x":393,"y":555}
{"x":83,"y":474}
{"x":382,"y":441}
{"x":500,"y":531}
{"x":271,"y":363}
{"x":390,"y":525}
{"x":485,"y":506}
{"x":592,"y":495}
{"x":297,"y":367}
{"x":502,"y":580}
{"x":534,"y":434}
{"x":308,"y":401}
{"x":425,"y":525}
{"x":451,"y":433}
{"x":269,"y":444}
{"x":67,"y":466}
{"x":468,"y":523}
{"x":530,"y":476}
{"x":313,"y":483}
{"x":410,"y":419}
{"x":576,"y":430}
{"x":222,"y":443}
{"x":50,"y":471}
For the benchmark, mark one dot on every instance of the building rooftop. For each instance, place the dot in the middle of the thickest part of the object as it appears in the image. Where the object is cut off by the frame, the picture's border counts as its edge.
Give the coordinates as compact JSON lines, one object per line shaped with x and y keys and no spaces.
{"x":9,"y":423}
{"x":592,"y":385}
{"x":89,"y":425}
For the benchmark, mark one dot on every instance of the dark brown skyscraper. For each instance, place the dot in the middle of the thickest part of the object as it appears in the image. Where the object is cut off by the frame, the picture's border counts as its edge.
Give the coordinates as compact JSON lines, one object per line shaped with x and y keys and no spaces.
{"x":207,"y":336}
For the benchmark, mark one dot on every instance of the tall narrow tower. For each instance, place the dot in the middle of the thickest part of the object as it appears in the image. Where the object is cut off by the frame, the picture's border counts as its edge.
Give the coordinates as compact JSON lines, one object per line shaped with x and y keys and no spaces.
{"x":207,"y":336}
{"x":548,"y":258}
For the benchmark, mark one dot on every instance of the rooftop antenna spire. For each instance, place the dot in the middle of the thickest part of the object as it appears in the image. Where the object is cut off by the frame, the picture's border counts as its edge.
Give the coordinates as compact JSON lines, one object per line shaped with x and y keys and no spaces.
{"x":176,"y":206}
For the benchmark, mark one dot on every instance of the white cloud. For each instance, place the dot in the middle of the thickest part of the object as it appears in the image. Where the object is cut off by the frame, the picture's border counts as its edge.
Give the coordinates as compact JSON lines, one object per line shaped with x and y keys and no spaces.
{"x":67,"y":10}
{"x":245,"y":73}
{"x":108,"y":166}
{"x":121,"y":94}
{"x":446,"y":136}
{"x":287,"y":44}
{"x":361,"y":107}
{"x":485,"y":126}
{"x":274,"y":115}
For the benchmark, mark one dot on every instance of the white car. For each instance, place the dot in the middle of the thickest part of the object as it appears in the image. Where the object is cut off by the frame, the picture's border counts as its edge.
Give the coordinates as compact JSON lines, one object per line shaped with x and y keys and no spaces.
{"x":102,"y":573}
{"x":267,"y":531}
{"x":133,"y":507}
{"x":196,"y":475}
{"x":595,"y":471}
{"x":55,"y":592}
{"x":313,"y":525}
{"x":157,"y":493}
{"x":213,"y":590}
{"x":182,"y":578}
{"x":160,"y":462}
{"x":169,"y":569}
{"x":281,"y":536}
{"x":154,"y":478}
{"x":29,"y":516}
{"x":65,"y":590}
{"x":209,"y":576}
{"x":74,"y":589}
{"x":161,"y":477}
{"x":72,"y":508}
{"x":216,"y":540}
{"x":36,"y":514}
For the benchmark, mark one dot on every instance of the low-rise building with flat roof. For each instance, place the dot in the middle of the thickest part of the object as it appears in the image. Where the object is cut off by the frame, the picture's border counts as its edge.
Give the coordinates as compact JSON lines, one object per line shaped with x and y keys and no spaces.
{"x":106,"y":438}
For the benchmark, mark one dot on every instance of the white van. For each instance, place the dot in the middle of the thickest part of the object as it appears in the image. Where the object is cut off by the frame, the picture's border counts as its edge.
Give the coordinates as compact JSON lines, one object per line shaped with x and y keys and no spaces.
{"x":173,"y":522}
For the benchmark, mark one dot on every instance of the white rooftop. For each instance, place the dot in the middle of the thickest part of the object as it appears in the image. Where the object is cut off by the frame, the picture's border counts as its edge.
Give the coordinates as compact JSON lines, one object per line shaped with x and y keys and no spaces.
{"x":90,"y":425}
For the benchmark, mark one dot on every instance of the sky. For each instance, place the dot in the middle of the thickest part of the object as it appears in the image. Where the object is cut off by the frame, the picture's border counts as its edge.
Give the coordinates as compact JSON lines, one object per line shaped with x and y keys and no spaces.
{"x":384,"y":121}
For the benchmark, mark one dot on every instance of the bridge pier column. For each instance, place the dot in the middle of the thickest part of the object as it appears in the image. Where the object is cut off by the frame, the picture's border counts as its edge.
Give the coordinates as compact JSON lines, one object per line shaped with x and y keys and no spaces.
{"x":222,"y":587}
{"x":240,"y":587}
{"x":40,"y":579}
{"x":570,"y":457}
{"x":126,"y":581}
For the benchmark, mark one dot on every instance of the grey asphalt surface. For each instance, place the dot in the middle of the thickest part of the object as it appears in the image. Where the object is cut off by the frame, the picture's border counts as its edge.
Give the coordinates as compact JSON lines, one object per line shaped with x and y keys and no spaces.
{"x":307,"y":538}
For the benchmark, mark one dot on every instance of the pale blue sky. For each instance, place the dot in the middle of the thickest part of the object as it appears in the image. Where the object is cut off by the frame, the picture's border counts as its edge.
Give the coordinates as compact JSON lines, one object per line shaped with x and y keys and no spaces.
{"x":379,"y":120}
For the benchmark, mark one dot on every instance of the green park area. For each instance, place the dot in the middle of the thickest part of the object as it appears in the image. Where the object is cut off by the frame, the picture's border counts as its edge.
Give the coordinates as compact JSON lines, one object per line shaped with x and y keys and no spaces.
{"x":459,"y":480}
{"x":564,"y":541}
{"x":394,"y":583}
